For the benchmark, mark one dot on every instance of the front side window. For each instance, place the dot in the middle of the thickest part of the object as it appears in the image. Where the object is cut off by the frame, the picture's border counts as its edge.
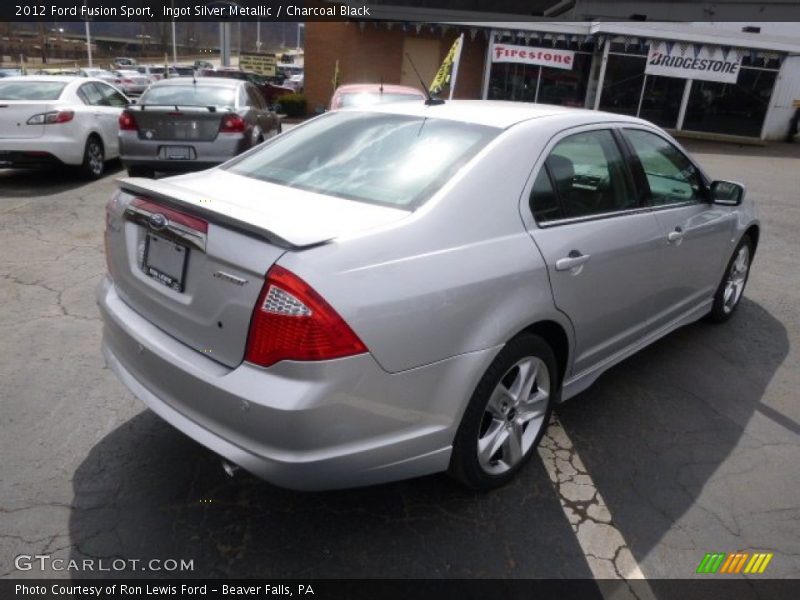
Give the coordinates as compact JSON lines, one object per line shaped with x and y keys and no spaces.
{"x":671,"y":176}
{"x":386,"y":159}
{"x":112,"y":97}
{"x":589,"y":175}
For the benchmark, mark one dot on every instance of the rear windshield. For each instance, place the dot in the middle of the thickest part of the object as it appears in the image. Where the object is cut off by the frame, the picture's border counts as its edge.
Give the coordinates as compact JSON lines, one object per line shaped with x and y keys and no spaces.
{"x":189,"y":95}
{"x":367,"y":98}
{"x":31,"y":90}
{"x":391,"y":160}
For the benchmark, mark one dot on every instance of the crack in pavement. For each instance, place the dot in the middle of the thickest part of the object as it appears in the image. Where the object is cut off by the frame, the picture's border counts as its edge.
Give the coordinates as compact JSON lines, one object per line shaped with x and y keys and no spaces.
{"x":606,"y":551}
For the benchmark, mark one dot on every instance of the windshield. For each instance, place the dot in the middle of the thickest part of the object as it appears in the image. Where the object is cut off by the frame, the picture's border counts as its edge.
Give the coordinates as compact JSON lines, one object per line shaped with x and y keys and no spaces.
{"x":31,"y":90}
{"x":189,"y":95}
{"x":392,"y":160}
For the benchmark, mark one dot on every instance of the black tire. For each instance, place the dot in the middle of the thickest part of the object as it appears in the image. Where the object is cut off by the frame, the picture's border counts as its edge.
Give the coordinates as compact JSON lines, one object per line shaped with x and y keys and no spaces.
{"x":94,"y":158}
{"x":135,"y":171}
{"x":477,"y":421}
{"x":724,"y":307}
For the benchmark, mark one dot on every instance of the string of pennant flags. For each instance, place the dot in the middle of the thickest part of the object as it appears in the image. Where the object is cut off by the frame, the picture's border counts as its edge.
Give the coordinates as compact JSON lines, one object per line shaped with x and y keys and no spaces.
{"x":580,"y":41}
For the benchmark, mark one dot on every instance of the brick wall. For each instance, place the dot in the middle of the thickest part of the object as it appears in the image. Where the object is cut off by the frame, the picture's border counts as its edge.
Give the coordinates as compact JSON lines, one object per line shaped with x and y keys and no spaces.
{"x":369,"y":54}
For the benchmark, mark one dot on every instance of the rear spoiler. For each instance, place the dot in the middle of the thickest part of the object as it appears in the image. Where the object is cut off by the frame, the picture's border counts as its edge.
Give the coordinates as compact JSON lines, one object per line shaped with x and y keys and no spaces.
{"x":179,"y":198}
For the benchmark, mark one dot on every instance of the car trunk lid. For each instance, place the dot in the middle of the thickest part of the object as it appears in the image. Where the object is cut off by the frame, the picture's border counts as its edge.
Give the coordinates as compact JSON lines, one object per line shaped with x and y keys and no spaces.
{"x":199,"y":276}
{"x":175,"y":123}
{"x":14,"y":115}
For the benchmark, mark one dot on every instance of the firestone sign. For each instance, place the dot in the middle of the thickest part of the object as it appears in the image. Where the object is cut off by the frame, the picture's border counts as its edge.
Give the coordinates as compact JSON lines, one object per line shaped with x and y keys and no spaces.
{"x":693,"y":61}
{"x":544,"y":57}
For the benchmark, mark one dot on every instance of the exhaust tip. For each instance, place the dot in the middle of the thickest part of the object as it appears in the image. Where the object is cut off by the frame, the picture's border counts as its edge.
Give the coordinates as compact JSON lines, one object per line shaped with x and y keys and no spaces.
{"x":230,"y":468}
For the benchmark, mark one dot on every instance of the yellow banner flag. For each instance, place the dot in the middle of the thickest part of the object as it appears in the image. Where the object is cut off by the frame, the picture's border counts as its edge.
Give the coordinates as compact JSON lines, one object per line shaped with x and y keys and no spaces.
{"x":445,"y":72}
{"x":337,"y":77}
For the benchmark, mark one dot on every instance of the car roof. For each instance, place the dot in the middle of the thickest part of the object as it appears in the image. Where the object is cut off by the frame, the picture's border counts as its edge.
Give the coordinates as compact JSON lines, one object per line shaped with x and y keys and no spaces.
{"x":390,"y":88}
{"x":495,"y":113}
{"x":55,"y":78}
{"x":215,"y":81}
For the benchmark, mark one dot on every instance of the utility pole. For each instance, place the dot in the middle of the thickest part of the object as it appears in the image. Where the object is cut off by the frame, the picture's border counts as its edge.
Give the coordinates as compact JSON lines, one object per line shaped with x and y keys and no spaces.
{"x":88,"y":43}
{"x":225,"y":44}
{"x":174,"y":42}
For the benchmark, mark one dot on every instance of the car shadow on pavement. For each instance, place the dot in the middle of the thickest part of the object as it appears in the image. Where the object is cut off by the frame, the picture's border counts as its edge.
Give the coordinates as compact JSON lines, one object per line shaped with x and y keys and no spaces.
{"x":25,"y":183}
{"x":654,"y":431}
{"x":651,"y":432}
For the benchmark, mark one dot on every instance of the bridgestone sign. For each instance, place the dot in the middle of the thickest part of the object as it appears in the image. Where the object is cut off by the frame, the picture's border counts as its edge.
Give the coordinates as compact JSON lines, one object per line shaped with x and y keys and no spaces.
{"x":694,"y":61}
{"x":544,"y":57}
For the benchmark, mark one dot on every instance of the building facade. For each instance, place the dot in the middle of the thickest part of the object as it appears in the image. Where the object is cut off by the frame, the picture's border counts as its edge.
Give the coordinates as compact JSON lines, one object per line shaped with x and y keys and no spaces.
{"x":691,"y":78}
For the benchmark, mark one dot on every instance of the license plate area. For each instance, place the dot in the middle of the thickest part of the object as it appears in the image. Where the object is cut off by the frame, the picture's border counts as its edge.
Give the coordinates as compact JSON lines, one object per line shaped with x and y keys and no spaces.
{"x":177,"y":153}
{"x":165,"y":261}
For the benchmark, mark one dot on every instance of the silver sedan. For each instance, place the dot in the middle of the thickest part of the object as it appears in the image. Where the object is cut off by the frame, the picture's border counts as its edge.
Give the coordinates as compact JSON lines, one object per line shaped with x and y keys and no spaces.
{"x":388,"y":292}
{"x":188,"y":124}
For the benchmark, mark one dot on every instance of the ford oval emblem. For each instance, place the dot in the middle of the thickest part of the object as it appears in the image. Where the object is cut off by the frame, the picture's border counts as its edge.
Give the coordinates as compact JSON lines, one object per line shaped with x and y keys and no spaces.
{"x":157,"y":221}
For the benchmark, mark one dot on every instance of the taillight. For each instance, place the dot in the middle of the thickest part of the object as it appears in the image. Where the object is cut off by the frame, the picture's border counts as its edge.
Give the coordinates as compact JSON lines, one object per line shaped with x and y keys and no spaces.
{"x":107,"y":232}
{"x":127,"y":122}
{"x":291,"y":321}
{"x":231,"y":124}
{"x":52,"y":118}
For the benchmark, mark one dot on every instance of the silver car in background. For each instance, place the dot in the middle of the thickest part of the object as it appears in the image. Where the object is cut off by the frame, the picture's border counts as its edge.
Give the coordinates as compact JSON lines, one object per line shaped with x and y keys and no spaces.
{"x":189,"y":124}
{"x":131,"y":82}
{"x":404,"y":289}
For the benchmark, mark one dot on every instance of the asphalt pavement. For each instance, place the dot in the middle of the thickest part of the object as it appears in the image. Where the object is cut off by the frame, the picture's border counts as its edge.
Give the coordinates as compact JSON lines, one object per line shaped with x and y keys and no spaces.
{"x":691,"y":446}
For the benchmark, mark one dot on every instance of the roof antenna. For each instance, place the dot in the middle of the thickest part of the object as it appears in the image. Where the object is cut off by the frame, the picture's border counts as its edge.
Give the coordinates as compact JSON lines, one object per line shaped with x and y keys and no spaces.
{"x":431,"y":101}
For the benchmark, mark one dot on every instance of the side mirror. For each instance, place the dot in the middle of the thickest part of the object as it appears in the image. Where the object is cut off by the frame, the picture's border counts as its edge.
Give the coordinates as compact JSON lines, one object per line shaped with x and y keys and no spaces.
{"x":727,"y":193}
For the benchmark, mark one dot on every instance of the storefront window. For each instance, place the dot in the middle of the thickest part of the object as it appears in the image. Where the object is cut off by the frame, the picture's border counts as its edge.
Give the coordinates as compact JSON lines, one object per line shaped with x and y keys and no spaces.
{"x":566,"y":87}
{"x":735,"y":109}
{"x":661,"y":101}
{"x":622,"y":86}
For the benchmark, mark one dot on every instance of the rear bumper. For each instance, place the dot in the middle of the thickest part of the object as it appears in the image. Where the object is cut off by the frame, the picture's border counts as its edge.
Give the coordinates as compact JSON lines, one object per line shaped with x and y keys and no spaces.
{"x":65,"y":150}
{"x":136,"y":152}
{"x":309,"y":426}
{"x":28,"y":160}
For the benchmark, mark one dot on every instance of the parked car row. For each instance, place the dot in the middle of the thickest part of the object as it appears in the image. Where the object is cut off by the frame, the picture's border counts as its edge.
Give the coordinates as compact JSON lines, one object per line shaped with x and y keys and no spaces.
{"x":180,"y":124}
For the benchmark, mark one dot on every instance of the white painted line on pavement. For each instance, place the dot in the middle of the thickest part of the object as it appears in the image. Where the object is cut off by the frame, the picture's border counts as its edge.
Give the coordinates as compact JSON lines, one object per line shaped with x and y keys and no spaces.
{"x":606,"y":551}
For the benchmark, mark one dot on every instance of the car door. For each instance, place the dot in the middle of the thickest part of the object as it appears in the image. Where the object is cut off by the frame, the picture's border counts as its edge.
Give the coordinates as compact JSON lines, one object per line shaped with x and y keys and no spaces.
{"x":113,"y":104}
{"x":601,"y":246}
{"x":264,"y":117}
{"x":105,"y":118}
{"x":696,"y":232}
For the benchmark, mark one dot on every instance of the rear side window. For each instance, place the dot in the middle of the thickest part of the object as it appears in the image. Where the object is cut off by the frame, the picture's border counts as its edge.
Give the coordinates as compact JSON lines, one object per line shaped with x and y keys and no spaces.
{"x":544,"y":201}
{"x":670,"y":174}
{"x":386,"y":159}
{"x":589,"y":175}
{"x":31,"y":90}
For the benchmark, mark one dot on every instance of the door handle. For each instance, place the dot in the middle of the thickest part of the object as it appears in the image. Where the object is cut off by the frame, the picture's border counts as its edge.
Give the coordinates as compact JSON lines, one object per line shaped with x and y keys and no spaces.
{"x":573,"y":261}
{"x":676,"y":235}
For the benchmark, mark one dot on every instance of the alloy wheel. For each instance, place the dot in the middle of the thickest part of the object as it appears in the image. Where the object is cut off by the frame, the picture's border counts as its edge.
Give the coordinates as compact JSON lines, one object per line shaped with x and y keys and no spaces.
{"x":513,"y":416}
{"x":736,"y":279}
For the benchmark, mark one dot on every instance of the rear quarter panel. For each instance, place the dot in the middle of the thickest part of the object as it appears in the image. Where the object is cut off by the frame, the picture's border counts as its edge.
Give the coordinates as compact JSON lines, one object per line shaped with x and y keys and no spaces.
{"x":460,"y":274}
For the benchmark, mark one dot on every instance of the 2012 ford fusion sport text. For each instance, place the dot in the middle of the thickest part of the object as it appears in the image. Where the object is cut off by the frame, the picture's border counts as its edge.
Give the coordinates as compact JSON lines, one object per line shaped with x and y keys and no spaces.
{"x":398,"y":290}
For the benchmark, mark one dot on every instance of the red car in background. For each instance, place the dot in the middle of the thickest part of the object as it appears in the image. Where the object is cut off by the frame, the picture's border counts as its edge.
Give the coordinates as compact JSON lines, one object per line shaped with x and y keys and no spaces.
{"x":269,"y":89}
{"x":366,"y":94}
